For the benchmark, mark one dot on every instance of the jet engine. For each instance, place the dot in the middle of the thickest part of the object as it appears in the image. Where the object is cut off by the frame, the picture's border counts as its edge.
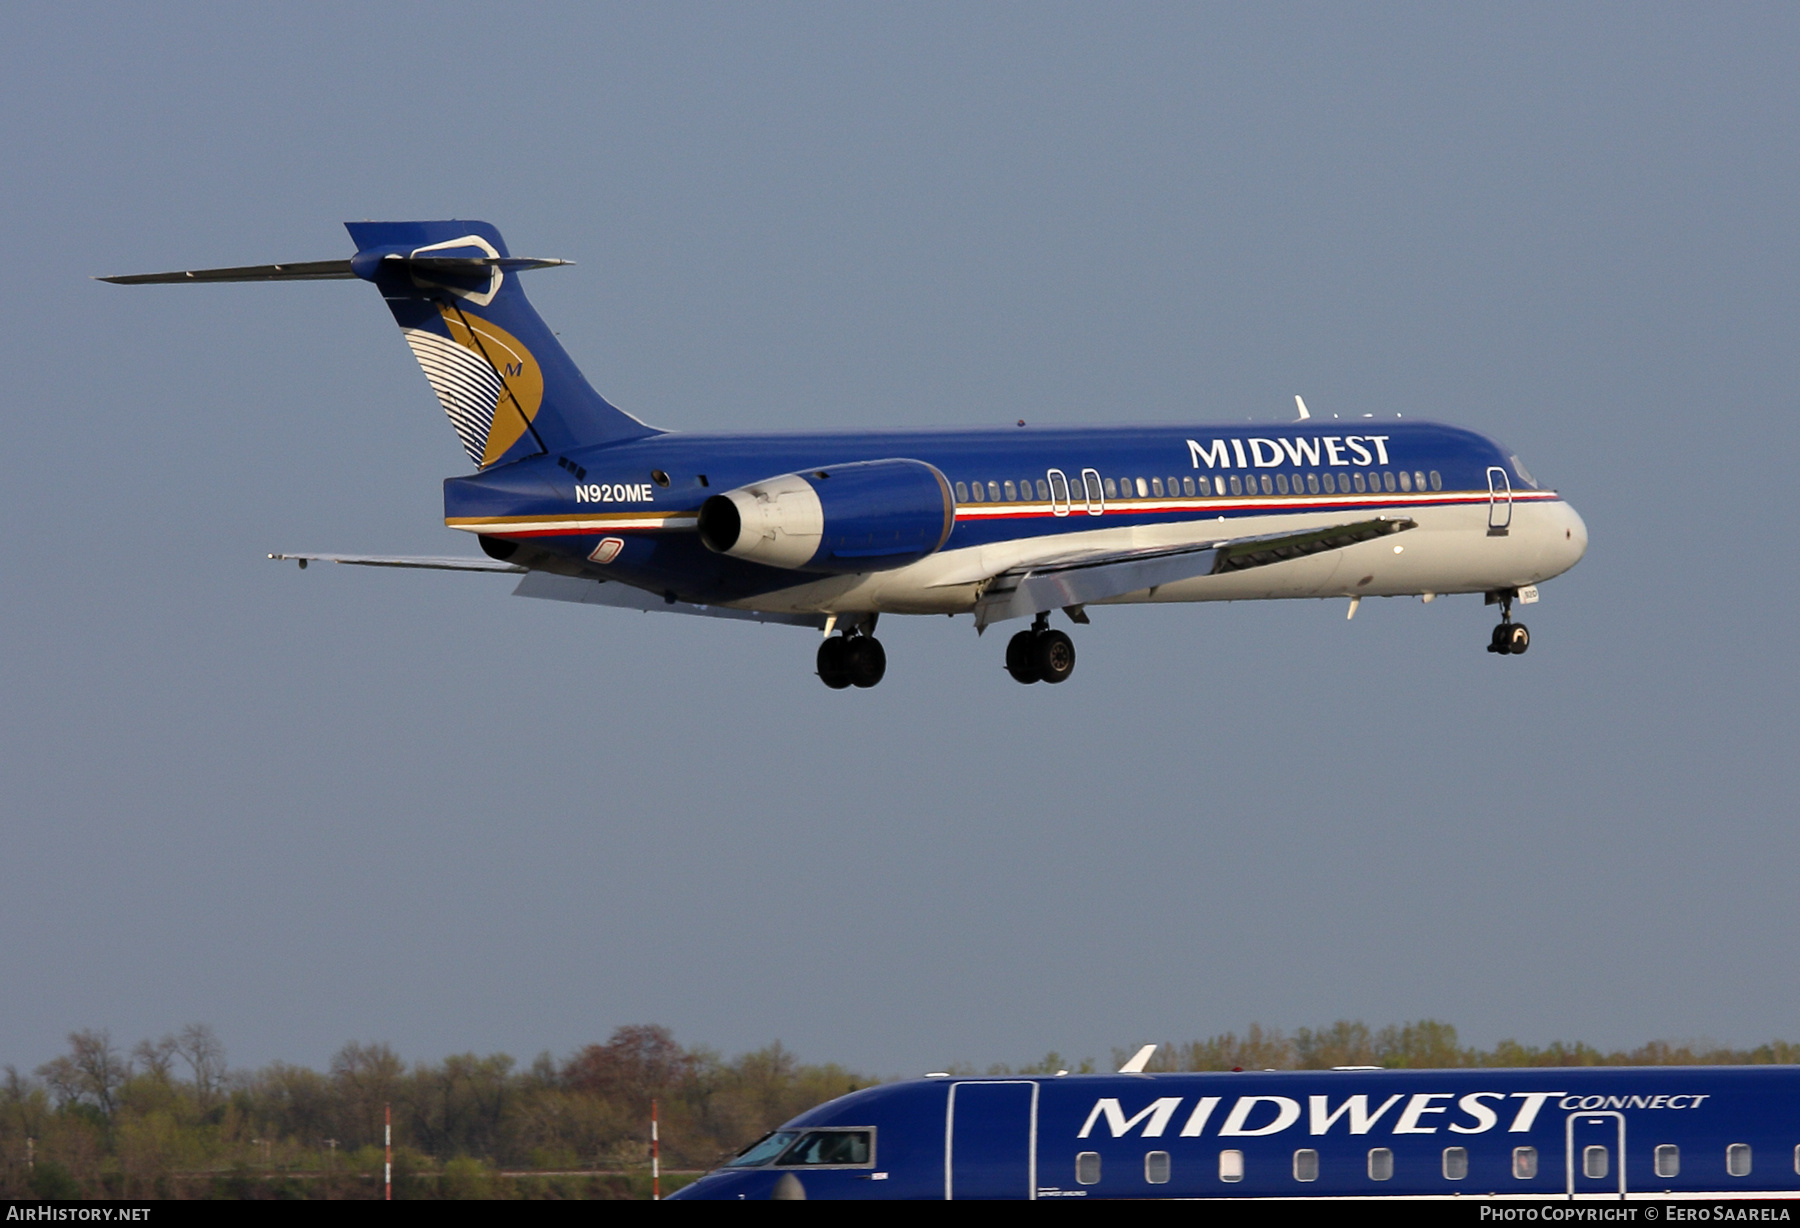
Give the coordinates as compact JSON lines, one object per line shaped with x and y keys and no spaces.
{"x":867,"y":516}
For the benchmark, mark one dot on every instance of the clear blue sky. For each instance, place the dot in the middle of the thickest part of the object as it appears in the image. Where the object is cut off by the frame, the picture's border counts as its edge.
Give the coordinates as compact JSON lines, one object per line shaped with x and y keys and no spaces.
{"x":311,"y":807}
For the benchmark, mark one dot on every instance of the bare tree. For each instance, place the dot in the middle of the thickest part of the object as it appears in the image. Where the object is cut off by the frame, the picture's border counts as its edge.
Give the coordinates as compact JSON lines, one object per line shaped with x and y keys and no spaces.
{"x":205,"y":1056}
{"x":91,"y":1068}
{"x":157,"y":1056}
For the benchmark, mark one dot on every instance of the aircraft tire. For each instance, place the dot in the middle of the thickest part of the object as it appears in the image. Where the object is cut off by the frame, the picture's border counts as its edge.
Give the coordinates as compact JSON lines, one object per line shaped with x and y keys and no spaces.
{"x":1021,"y":660}
{"x":867,"y":660}
{"x":834,"y":663}
{"x":1518,"y":639}
{"x":1054,"y":655}
{"x":1497,"y":642}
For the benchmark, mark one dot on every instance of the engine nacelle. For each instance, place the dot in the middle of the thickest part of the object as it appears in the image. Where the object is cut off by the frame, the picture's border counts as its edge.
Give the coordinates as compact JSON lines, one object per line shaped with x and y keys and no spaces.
{"x":867,"y":516}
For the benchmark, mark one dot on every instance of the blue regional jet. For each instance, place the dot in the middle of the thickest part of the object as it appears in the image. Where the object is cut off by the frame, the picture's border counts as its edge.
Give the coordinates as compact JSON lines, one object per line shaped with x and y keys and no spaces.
{"x":1713,"y":1132}
{"x":831,"y":530}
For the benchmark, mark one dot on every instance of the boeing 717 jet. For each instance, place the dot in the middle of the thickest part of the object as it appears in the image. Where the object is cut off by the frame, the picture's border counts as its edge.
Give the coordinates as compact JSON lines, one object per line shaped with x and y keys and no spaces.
{"x":832,"y":530}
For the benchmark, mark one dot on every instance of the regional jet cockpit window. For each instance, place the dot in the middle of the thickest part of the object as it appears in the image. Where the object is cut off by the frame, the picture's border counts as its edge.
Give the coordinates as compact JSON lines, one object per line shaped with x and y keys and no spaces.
{"x":830,"y":1148}
{"x":764,"y":1149}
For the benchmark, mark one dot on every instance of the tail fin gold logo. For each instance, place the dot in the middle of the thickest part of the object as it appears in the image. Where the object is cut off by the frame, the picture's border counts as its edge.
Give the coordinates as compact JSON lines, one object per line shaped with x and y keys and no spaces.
{"x":487,"y":381}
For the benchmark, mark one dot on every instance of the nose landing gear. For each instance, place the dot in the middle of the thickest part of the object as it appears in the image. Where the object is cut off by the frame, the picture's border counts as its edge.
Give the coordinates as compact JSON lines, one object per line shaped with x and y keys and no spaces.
{"x":1040,"y":654}
{"x":1509,"y":638}
{"x":855,"y":658}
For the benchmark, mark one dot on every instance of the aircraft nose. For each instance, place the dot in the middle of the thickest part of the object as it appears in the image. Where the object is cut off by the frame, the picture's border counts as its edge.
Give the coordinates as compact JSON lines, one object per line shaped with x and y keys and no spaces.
{"x":1575,"y":538}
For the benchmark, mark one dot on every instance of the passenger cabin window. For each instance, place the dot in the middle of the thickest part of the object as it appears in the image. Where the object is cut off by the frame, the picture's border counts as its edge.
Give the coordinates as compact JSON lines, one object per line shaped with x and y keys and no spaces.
{"x":1043,"y":489}
{"x":1312,"y":483}
{"x":1437,"y":480}
{"x":1358,"y":478}
{"x":1405,"y":480}
{"x":1268,"y":485}
{"x":975,"y":492}
{"x":1797,"y":1158}
{"x":1205,"y":486}
{"x":1306,"y":1165}
{"x":1187,"y":486}
{"x":962,"y":492}
{"x":1456,"y":1163}
{"x":1737,"y":1159}
{"x":1011,"y":492}
{"x":1156,"y":1167}
{"x":1156,"y":487}
{"x":1387,"y":480}
{"x":1668,"y":1160}
{"x":828,"y":1148}
{"x":1525,"y":1163}
{"x":1418,"y":480}
{"x":1381,"y":1164}
{"x":1594,"y":1162}
{"x":1236,"y":486}
{"x":1142,"y":489}
{"x":1112,"y":489}
{"x":1024,"y":488}
{"x":994,"y":491}
{"x":1087,"y":1167}
{"x":1281,"y":483}
{"x":1231,"y":1166}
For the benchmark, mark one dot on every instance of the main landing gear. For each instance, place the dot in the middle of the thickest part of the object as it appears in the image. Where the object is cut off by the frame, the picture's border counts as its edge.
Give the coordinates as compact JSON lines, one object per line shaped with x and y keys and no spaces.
{"x":855,"y":658}
{"x":1040,"y":654}
{"x":1509,"y":638}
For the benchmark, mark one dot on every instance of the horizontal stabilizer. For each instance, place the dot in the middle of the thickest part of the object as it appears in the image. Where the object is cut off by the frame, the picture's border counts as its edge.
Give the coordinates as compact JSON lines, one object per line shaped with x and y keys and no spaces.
{"x":339,"y":270}
{"x":425,"y":562}
{"x":311,"y":270}
{"x":549,"y":587}
{"x":1057,"y":584}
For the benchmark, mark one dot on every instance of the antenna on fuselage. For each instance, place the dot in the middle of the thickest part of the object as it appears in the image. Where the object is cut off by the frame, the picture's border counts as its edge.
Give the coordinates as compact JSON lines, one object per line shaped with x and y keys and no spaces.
{"x":1302,"y":404}
{"x":1138,"y":1061}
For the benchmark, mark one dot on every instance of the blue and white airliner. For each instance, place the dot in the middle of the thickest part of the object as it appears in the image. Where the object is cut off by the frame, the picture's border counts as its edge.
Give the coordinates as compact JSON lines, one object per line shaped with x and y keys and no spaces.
{"x":1560,"y":1132}
{"x":831,"y":530}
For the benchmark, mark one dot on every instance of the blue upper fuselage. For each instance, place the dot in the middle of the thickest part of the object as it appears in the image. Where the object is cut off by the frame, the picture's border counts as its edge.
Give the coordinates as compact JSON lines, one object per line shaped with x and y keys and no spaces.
{"x":1299,"y":1133}
{"x":1204,"y":470}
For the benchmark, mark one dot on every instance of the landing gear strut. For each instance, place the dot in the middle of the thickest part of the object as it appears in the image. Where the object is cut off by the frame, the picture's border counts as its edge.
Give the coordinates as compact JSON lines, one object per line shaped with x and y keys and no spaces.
{"x":855,"y":658}
{"x":1040,"y":654}
{"x":1509,"y":638}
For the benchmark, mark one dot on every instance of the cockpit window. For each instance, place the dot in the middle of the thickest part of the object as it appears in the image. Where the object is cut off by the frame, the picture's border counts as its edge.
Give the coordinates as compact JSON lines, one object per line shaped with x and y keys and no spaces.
{"x":828,"y":1147}
{"x":1523,"y":475}
{"x":764,"y":1149}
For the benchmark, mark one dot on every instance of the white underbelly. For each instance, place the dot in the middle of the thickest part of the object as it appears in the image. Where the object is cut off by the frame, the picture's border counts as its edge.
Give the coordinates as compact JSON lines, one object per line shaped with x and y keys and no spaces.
{"x":1451,"y":551}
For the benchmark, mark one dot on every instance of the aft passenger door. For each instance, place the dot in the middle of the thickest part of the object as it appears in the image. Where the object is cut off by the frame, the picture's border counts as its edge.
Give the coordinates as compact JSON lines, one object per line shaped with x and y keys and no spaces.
{"x":1595,"y":1159}
{"x":1499,"y":501}
{"x":990,"y":1140}
{"x":1059,"y":492}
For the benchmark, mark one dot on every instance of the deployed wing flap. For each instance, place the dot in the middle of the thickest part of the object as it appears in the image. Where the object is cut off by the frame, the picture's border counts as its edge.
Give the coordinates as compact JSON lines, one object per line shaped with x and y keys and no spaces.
{"x":547,"y":586}
{"x":1039,"y":587}
{"x":427,"y":562}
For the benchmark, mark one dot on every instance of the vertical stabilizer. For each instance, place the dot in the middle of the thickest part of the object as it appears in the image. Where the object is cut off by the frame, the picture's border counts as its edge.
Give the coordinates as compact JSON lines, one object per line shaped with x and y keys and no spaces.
{"x":505,"y":382}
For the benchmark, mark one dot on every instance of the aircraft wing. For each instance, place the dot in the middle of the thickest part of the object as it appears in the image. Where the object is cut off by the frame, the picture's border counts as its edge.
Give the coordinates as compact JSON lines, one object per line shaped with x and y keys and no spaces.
{"x":1078,"y":579}
{"x":551,"y":587}
{"x":428,"y":562}
{"x":548,"y":586}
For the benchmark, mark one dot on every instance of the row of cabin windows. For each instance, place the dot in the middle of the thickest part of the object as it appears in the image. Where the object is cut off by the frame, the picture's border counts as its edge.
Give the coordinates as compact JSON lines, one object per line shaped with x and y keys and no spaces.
{"x":1595,"y":1163}
{"x":1209,"y":487}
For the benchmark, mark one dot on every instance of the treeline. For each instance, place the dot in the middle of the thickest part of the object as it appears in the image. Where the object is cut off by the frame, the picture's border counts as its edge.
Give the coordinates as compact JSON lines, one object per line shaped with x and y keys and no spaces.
{"x":1428,"y":1044}
{"x":170,"y":1119}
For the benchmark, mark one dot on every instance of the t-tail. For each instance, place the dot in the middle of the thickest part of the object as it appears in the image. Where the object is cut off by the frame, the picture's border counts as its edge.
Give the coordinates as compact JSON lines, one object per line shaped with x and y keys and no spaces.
{"x":505,"y":382}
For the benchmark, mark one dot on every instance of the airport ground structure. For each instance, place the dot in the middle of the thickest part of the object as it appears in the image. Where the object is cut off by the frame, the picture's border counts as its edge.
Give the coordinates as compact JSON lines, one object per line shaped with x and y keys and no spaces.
{"x":169,"y":1118}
